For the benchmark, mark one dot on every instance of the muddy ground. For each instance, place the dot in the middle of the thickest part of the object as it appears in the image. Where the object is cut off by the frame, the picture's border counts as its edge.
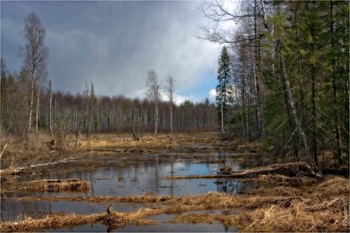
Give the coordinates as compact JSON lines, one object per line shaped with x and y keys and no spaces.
{"x":276,"y":203}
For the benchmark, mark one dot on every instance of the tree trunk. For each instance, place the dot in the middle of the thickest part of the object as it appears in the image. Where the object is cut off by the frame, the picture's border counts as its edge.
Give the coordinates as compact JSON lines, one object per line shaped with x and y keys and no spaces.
{"x":257,"y":71}
{"x":334,"y":94}
{"x":289,"y":97}
{"x":171,"y":119}
{"x":37,"y":111}
{"x":31,"y":105}
{"x":85,"y":122}
{"x":292,"y":111}
{"x":90,"y":111}
{"x":50,"y":111}
{"x":156,"y":119}
{"x":222,"y":118}
{"x":314,"y":141}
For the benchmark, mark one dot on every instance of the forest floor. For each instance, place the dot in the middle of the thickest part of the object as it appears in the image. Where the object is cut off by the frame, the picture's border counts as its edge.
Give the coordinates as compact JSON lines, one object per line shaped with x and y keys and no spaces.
{"x":276,"y":203}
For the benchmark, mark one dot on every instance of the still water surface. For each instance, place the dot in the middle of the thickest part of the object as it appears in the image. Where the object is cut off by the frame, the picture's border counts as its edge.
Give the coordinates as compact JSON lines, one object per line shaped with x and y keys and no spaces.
{"x":135,"y":176}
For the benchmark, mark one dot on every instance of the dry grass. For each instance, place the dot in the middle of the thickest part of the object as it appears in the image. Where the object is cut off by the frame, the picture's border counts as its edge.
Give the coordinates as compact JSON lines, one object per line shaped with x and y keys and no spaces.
{"x":56,"y":186}
{"x":51,"y":222}
{"x":278,"y":203}
{"x":104,"y":199}
{"x":323,"y":208}
{"x":318,"y":207}
{"x":113,"y":221}
{"x":101,"y":144}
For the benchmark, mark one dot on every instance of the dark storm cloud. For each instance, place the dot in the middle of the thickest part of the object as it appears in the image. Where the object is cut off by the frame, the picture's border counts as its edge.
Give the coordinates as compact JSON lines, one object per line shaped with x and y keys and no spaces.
{"x":115,"y":44}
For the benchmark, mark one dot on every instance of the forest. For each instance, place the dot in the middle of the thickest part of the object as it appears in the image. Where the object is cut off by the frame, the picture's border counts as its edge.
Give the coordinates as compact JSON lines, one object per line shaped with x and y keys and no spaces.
{"x":285,"y":81}
{"x":286,"y":76}
{"x":85,"y":113}
{"x":270,"y":154}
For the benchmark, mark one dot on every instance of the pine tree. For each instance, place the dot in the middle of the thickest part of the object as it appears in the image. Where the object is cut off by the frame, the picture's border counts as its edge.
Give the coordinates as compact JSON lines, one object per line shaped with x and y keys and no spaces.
{"x":224,"y":89}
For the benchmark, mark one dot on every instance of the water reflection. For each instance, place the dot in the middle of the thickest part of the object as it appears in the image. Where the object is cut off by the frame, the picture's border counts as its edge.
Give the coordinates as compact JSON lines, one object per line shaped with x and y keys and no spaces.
{"x":135,"y":176}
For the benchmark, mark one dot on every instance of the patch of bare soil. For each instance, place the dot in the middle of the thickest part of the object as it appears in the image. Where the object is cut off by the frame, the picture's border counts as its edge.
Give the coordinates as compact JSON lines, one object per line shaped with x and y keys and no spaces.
{"x":322,"y":206}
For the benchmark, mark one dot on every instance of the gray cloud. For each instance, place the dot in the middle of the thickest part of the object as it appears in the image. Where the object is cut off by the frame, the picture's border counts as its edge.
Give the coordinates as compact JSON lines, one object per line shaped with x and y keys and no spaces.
{"x":114,"y":44}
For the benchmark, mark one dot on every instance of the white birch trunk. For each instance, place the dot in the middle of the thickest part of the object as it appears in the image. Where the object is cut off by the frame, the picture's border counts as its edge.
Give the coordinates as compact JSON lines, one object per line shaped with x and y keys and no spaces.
{"x":31,"y":103}
{"x":171,"y":119}
{"x":50,"y":111}
{"x":37,"y":112}
{"x":156,"y":120}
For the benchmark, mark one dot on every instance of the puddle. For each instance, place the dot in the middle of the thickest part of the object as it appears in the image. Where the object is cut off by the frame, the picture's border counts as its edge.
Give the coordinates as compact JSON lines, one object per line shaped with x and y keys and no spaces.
{"x":160,"y":227}
{"x":177,"y":227}
{"x":13,"y":209}
{"x":162,"y":217}
{"x":145,"y":175}
{"x":83,"y":228}
{"x":137,"y":175}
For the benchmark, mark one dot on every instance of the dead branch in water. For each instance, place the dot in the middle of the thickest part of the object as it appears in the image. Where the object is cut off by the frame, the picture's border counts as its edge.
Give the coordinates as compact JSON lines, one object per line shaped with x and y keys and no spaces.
{"x":18,"y":170}
{"x":244,"y":173}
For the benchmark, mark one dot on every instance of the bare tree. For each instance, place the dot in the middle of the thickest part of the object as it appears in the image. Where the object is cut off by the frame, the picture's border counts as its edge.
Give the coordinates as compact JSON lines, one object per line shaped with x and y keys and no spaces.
{"x":170,"y":90}
{"x":35,"y":58}
{"x":37,"y":110}
{"x":89,"y":116}
{"x":50,"y":111}
{"x":153,"y":93}
{"x":250,"y":34}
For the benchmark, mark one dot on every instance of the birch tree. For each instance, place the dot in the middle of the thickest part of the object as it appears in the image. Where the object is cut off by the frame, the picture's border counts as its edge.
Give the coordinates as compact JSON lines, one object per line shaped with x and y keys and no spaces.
{"x":153,"y":93}
{"x":170,"y":90}
{"x":50,"y":111}
{"x":35,"y":55}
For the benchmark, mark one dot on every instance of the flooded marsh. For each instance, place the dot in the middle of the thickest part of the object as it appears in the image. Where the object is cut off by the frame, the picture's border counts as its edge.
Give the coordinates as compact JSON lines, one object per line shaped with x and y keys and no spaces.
{"x":133,"y":186}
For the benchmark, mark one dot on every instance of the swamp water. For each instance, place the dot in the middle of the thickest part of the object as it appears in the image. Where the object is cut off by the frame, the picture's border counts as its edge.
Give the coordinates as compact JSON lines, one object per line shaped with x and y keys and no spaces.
{"x":135,"y":175}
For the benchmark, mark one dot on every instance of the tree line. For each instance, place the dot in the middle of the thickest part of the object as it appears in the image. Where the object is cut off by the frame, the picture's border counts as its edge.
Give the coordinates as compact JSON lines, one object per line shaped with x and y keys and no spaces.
{"x":86,"y":113}
{"x":28,"y":104}
{"x":288,"y":74}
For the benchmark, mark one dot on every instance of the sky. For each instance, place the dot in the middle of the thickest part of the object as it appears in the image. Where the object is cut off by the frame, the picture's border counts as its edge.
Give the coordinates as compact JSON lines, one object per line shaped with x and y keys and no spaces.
{"x":115,"y":43}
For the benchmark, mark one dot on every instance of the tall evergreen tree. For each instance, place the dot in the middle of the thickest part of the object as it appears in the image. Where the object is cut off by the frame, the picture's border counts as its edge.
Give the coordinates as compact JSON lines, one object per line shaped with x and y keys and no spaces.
{"x":224,"y":89}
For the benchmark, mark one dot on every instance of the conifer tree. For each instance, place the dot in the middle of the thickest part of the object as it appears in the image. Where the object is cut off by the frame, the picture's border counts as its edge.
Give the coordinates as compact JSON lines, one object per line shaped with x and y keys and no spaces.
{"x":224,"y":88}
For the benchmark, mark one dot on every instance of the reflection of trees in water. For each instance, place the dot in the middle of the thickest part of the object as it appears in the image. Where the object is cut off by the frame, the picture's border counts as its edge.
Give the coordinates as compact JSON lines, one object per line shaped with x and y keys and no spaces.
{"x":12,"y":209}
{"x":156,"y":176}
{"x":230,"y":185}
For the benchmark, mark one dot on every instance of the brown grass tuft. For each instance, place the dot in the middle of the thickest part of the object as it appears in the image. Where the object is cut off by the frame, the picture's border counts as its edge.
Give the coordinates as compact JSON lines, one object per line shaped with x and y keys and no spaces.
{"x":56,"y":186}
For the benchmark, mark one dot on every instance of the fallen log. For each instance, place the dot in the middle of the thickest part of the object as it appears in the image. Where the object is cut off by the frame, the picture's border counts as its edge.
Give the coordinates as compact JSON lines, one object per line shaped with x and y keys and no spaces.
{"x":19,"y":170}
{"x":296,"y":166}
{"x":197,"y":177}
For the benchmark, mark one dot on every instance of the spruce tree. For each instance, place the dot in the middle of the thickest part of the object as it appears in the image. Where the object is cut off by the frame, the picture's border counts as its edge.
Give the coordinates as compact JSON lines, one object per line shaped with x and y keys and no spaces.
{"x":224,"y":89}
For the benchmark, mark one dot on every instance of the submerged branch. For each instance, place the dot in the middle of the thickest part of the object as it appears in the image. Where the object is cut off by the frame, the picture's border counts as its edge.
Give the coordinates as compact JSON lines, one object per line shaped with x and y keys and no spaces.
{"x":244,"y":173}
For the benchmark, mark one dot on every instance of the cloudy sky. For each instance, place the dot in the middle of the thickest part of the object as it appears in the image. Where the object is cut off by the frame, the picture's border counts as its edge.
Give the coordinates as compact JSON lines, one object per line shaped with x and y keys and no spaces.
{"x":115,"y":43}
